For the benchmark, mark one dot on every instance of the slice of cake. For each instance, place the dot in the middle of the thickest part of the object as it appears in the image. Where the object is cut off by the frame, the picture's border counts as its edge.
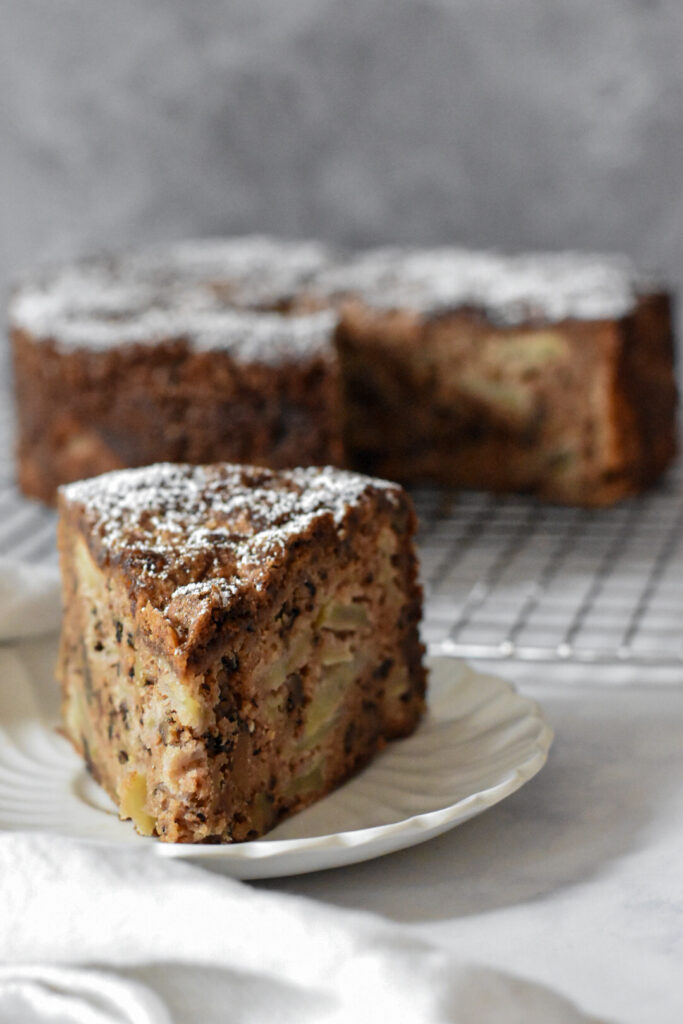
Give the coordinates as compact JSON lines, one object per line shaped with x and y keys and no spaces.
{"x":550,"y":373}
{"x":236,"y":642}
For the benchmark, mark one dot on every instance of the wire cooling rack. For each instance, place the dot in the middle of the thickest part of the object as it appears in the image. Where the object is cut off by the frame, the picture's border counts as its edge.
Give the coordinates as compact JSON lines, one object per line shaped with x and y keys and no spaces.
{"x":510,"y":578}
{"x":27,"y":529}
{"x":505,"y":578}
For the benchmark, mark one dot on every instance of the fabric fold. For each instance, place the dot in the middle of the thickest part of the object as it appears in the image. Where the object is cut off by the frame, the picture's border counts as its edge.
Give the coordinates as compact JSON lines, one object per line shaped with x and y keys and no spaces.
{"x":71,"y":905}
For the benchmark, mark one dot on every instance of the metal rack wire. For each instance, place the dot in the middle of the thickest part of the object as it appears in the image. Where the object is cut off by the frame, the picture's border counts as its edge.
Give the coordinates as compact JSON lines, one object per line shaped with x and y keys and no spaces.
{"x":506,"y":577}
{"x":510,"y":578}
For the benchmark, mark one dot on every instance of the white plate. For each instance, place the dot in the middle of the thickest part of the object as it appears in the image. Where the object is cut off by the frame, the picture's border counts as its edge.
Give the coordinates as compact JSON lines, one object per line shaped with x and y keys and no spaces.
{"x":479,"y":742}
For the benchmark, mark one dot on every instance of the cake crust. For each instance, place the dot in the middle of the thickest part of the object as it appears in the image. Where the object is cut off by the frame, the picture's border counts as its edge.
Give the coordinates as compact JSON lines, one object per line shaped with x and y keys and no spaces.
{"x":134,"y":404}
{"x":175,"y":353}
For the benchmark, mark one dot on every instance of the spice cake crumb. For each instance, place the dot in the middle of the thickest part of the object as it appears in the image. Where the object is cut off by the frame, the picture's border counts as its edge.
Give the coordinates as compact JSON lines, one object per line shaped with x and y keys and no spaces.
{"x":236,"y":642}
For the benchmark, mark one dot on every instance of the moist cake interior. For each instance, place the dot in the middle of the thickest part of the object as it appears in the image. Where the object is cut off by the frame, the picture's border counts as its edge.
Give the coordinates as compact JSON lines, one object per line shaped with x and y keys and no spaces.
{"x":235,"y":644}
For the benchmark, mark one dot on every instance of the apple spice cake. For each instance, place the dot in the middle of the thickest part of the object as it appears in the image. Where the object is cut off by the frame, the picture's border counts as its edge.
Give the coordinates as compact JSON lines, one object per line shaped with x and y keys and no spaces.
{"x":236,"y":641}
{"x":127,"y":361}
{"x":550,"y":373}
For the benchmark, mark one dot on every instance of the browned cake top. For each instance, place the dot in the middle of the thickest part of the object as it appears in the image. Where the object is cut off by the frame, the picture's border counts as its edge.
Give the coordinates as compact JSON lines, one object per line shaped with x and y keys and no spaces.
{"x":209,"y":531}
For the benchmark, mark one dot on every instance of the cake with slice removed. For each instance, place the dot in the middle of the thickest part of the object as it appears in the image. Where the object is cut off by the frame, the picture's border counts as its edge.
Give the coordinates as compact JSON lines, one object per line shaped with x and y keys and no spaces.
{"x":236,"y":641}
{"x":546,"y":373}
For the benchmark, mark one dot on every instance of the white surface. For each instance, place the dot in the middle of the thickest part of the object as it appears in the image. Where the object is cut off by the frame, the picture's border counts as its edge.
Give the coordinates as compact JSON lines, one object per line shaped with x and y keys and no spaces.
{"x":576,"y":880}
{"x":29,"y":599}
{"x":479,"y":743}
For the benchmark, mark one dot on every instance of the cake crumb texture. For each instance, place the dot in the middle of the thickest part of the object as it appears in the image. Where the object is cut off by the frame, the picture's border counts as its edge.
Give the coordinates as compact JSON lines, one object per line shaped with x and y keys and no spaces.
{"x":236,"y":642}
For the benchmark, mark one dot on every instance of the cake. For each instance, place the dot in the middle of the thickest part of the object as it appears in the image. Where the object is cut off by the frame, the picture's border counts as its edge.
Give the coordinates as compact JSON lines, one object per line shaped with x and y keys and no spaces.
{"x":127,"y":361}
{"x":236,"y":641}
{"x":551,"y":374}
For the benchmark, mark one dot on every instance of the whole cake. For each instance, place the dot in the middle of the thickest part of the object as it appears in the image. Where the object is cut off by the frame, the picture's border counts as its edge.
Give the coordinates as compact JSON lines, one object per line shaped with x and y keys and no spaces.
{"x":236,"y":642}
{"x":549,"y":373}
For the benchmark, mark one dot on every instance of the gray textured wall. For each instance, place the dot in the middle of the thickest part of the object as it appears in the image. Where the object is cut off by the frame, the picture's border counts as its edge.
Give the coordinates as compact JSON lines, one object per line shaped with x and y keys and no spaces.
{"x":526,"y":123}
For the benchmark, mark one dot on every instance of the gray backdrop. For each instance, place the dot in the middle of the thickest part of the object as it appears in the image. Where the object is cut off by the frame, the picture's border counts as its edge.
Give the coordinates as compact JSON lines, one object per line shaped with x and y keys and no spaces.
{"x":522,"y":123}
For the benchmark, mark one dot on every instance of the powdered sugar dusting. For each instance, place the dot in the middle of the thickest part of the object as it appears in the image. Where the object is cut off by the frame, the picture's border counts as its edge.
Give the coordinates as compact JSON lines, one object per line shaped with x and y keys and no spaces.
{"x":265,"y":337}
{"x":213,"y":294}
{"x":507,"y":289}
{"x":252,"y":271}
{"x":228,"y":294}
{"x":208,"y":531}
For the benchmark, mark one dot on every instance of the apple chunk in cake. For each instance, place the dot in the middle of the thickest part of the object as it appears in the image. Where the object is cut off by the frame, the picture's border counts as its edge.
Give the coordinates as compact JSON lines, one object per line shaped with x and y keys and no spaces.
{"x":236,"y":641}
